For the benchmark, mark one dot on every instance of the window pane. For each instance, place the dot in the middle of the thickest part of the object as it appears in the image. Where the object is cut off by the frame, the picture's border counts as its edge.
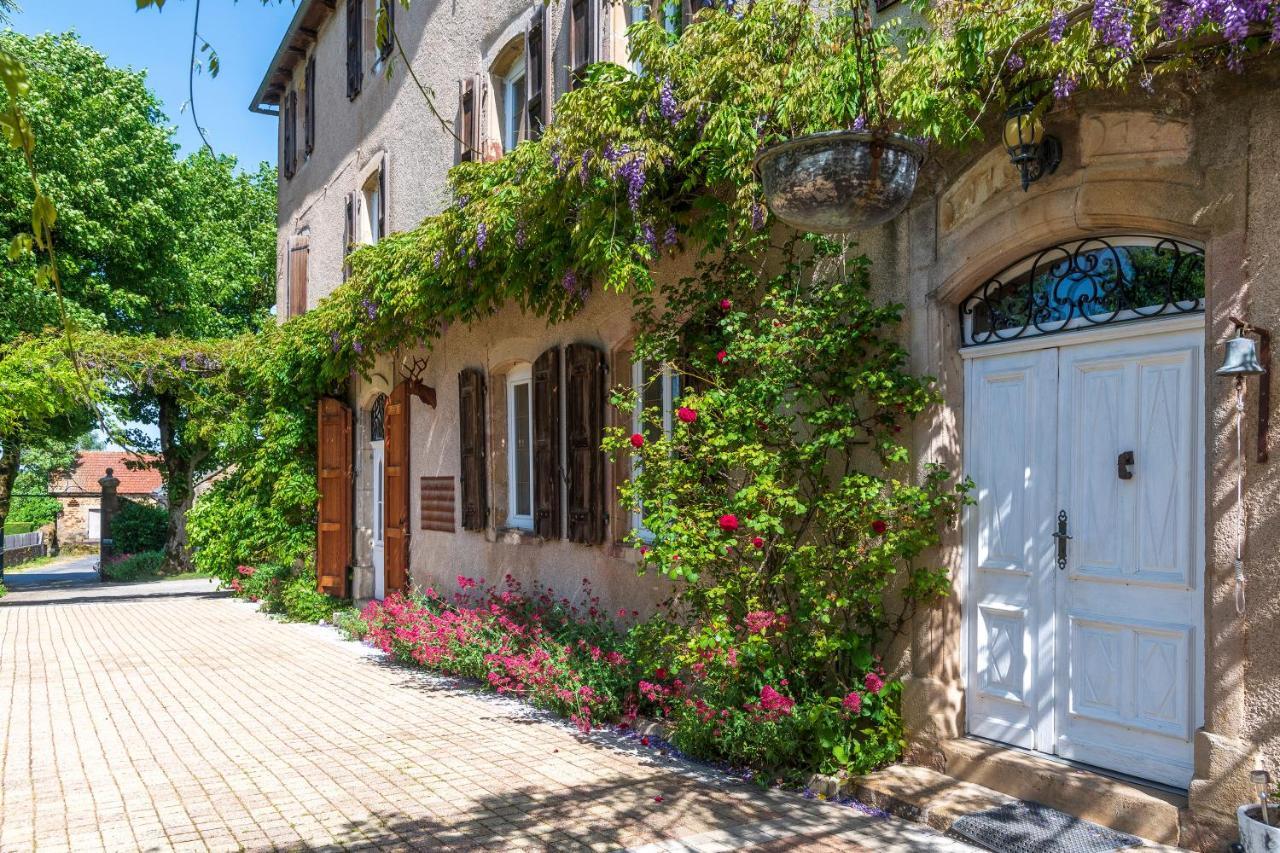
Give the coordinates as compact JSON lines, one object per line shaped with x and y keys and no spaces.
{"x":653,"y":400}
{"x":523,"y":450}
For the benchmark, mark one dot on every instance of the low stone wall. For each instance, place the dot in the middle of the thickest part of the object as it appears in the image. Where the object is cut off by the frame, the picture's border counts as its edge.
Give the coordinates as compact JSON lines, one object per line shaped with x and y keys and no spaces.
{"x":18,"y":556}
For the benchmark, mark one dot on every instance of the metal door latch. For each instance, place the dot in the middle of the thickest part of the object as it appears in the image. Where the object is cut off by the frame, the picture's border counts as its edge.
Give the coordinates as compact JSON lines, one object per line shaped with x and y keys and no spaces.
{"x":1061,"y":538}
{"x":1123,"y":462}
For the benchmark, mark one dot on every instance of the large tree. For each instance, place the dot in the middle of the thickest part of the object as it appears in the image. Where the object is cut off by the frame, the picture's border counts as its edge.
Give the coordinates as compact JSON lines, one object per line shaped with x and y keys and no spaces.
{"x":147,"y":245}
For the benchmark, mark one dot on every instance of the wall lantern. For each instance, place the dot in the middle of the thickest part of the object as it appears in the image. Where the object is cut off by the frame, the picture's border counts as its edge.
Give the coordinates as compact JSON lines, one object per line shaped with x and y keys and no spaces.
{"x":1033,"y":151}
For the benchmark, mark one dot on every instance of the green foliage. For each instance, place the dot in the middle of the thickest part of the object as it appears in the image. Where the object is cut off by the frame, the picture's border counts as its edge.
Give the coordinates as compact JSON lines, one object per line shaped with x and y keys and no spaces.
{"x":147,"y":565}
{"x":15,"y":527}
{"x":283,"y":591}
{"x":139,"y":527}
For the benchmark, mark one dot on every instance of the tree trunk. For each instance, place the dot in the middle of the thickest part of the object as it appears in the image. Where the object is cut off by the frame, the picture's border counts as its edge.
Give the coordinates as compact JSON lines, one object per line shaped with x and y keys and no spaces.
{"x":10,"y":452}
{"x":180,"y":462}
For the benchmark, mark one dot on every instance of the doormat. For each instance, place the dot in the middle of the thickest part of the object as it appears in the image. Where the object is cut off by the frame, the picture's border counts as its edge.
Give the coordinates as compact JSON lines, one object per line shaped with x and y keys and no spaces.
{"x":1023,"y":827}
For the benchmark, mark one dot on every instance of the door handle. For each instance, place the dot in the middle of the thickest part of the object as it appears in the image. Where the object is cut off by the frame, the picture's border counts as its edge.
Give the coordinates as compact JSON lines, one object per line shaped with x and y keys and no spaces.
{"x":1061,"y":539}
{"x":1123,"y":462}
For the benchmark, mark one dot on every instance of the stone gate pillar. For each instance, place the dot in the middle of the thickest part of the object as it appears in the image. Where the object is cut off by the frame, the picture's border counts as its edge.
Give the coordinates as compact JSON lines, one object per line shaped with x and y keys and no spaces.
{"x":109,"y":485}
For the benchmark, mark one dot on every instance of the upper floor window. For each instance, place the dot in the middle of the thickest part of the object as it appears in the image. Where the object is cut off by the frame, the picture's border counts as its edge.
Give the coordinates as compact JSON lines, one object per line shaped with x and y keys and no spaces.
{"x":520,"y":447}
{"x":373,"y":217}
{"x":514,"y":96}
{"x":296,"y":294}
{"x":537,"y":62}
{"x":386,"y":28}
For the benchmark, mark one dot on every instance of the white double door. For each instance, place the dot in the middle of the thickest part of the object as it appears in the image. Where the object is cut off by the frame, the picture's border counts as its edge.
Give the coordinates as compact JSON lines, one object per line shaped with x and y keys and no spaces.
{"x":1091,"y":651}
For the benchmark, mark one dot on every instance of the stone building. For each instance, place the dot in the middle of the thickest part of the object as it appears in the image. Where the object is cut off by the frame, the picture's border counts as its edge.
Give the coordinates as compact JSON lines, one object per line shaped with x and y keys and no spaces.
{"x":1121,"y":654}
{"x":80,"y":519}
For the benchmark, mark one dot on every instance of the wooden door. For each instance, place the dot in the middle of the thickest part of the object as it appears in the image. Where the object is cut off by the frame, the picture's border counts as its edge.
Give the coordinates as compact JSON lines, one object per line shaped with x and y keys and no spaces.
{"x":334,"y":480}
{"x":396,"y":490}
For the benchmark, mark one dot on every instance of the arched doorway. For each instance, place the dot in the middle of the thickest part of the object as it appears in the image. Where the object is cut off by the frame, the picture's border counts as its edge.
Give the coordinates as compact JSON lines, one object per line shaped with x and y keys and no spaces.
{"x":1084,"y":550}
{"x":377,"y":443}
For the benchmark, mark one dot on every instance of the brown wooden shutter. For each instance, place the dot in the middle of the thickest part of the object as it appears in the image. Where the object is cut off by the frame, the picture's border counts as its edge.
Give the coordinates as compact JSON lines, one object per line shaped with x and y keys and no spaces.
{"x":546,"y":445}
{"x":309,"y":121}
{"x":333,"y":475}
{"x":539,"y":70}
{"x":584,"y":432}
{"x":471,"y":438}
{"x":582,"y":39}
{"x":467,"y":120}
{"x":382,"y":198}
{"x":355,"y":48}
{"x":348,"y":233}
{"x":396,"y":489}
{"x":298,"y":256}
{"x":289,"y":118}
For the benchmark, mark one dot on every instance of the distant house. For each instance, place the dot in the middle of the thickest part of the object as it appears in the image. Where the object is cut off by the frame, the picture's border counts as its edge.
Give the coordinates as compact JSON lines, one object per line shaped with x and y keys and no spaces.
{"x":80,"y":520}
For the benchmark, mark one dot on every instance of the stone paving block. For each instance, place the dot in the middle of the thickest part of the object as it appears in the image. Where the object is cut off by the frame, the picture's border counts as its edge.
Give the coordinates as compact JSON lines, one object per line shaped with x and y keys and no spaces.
{"x":160,"y":717}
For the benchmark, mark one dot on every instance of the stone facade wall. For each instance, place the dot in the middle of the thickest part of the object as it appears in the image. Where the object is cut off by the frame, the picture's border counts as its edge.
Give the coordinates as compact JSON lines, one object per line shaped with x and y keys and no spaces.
{"x":1196,"y":164}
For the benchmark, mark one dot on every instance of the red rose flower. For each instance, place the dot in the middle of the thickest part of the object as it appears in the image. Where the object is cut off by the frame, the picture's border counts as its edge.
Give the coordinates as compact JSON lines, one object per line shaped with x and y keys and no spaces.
{"x":728,"y":522}
{"x":879,"y":527}
{"x":721,"y":356}
{"x":686,"y":414}
{"x":758,"y":542}
{"x":637,"y":440}
{"x":725,"y":304}
{"x":644,"y":741}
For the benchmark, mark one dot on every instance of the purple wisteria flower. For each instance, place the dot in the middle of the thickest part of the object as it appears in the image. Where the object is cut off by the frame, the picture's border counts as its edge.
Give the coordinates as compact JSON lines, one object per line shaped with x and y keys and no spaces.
{"x":1057,"y":27}
{"x":667,"y":104}
{"x":632,"y":172}
{"x":1111,"y":21}
{"x":435,"y":262}
{"x":570,"y":281}
{"x":669,"y":239}
{"x":370,"y":308}
{"x":520,"y":236}
{"x":584,"y":172}
{"x":555,"y":159}
{"x":482,"y":236}
{"x":1014,"y":62}
{"x":1064,"y":86}
{"x":357,"y":346}
{"x":182,"y":362}
{"x":648,"y":237}
{"x":860,"y":123}
{"x":463,"y":200}
{"x":757,"y":216}
{"x":1235,"y":17}
{"x":333,"y":340}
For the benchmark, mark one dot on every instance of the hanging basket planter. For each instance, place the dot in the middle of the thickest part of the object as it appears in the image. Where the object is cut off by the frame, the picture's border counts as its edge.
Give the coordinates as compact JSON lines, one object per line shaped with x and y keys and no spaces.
{"x":839,"y":180}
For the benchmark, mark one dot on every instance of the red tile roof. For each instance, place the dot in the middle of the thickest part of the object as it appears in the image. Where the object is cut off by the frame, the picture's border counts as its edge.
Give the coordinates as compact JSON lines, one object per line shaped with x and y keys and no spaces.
{"x":92,"y":465}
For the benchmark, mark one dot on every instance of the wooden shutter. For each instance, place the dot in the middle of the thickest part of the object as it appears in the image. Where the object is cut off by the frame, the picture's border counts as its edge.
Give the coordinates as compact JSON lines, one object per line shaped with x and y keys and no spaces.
{"x":333,"y":474}
{"x":289,"y":118}
{"x":382,"y":198}
{"x":396,"y":489}
{"x":581,"y":40}
{"x":539,"y":80}
{"x":309,"y":121}
{"x":467,"y":120}
{"x":355,"y":48}
{"x":298,"y":256}
{"x":546,"y":445}
{"x":584,"y":432}
{"x":436,"y":504}
{"x":471,"y":427}
{"x":348,"y":233}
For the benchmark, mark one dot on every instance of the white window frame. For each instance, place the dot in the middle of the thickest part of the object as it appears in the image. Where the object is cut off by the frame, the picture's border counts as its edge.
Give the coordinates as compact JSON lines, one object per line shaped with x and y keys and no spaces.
{"x":521,"y":375}
{"x":670,"y":393}
{"x":513,"y":84}
{"x":370,"y":207}
{"x":379,"y":493}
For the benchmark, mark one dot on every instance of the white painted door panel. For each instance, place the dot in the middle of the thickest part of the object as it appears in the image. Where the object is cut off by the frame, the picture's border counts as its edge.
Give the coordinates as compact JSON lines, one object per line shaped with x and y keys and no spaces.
{"x":1010,"y":416}
{"x":378,"y":520}
{"x":1128,"y":601}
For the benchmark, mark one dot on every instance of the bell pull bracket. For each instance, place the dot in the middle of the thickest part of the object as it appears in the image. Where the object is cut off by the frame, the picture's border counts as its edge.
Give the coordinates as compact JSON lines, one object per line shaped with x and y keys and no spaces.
{"x":1264,"y":381}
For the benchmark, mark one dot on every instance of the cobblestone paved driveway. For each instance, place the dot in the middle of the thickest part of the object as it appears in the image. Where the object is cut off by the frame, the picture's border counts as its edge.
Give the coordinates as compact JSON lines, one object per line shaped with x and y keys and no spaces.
{"x":165,"y":715}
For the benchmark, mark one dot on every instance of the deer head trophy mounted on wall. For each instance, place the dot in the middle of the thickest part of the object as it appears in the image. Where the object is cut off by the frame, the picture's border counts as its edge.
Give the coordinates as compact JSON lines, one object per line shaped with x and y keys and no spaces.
{"x":413,"y":375}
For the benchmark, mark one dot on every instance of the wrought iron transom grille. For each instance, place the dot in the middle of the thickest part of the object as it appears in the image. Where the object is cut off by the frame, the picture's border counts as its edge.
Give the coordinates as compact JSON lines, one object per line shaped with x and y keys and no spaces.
{"x":1092,"y":282}
{"x":378,"y":419}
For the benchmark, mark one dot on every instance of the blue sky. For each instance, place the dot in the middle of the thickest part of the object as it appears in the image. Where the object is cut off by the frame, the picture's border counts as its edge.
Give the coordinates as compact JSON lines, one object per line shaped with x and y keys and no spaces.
{"x":244,"y":33}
